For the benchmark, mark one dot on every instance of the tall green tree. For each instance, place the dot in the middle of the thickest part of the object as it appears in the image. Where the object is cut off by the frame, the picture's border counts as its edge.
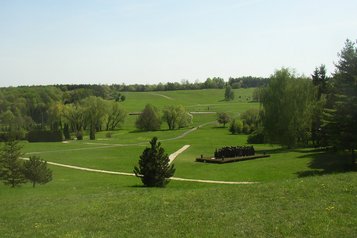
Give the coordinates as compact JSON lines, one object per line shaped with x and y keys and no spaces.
{"x":236,"y":127}
{"x":340,"y":118}
{"x":95,"y":110}
{"x":287,"y":108}
{"x":116,"y":115}
{"x":321,"y":82}
{"x":176,"y":117}
{"x":149,"y":119}
{"x":228,"y":93}
{"x":10,"y":164}
{"x":154,"y":167}
{"x":223,"y":118}
{"x":36,"y":171}
{"x":75,"y":116}
{"x":251,"y":118}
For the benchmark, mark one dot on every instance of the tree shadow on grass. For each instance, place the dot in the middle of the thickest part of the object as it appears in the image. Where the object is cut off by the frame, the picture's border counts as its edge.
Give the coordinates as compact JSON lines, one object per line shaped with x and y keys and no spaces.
{"x":142,"y":131}
{"x":272,"y":151}
{"x":326,"y":162}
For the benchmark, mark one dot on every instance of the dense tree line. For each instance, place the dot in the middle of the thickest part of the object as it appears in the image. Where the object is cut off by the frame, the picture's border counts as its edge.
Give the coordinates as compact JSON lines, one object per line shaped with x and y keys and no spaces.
{"x":46,"y":108}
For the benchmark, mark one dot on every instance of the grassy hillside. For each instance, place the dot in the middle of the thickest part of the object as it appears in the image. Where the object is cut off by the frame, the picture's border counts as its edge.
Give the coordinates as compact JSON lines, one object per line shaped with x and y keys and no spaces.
{"x":300,"y":193}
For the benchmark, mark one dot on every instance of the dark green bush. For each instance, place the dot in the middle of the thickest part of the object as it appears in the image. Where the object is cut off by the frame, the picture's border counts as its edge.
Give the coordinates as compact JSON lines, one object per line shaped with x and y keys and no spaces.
{"x":12,"y":135}
{"x":44,"y":136}
{"x":257,"y":137}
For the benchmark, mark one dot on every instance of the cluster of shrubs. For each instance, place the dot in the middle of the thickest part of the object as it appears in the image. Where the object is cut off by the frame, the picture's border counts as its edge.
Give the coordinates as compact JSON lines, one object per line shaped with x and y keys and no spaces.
{"x":234,"y":151}
{"x":256,"y":137}
{"x":44,"y":136}
{"x":12,"y":135}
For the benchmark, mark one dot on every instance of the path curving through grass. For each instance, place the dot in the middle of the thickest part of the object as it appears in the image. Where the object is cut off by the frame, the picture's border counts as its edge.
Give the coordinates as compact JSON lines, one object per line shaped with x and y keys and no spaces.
{"x":132,"y":174}
{"x":171,"y":157}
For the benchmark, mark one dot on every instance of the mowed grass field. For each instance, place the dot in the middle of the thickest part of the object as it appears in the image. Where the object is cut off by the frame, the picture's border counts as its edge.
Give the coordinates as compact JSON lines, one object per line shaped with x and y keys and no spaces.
{"x":299,"y":193}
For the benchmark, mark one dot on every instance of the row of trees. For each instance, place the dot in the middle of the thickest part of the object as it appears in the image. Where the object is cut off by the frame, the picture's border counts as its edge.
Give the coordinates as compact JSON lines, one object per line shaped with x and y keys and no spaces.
{"x":92,"y":113}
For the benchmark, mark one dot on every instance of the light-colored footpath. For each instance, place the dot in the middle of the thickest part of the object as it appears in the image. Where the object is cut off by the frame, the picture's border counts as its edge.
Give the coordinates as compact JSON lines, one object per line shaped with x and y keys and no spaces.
{"x":171,"y":157}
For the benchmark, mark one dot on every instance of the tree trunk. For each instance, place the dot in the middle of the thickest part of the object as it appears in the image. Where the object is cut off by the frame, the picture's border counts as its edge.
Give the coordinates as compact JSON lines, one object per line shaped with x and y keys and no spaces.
{"x":353,"y":157}
{"x":92,"y":132}
{"x":33,"y":184}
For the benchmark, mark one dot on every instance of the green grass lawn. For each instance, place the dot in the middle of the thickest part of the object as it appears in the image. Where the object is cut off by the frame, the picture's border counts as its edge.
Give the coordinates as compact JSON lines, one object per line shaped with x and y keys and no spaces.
{"x":300,"y":193}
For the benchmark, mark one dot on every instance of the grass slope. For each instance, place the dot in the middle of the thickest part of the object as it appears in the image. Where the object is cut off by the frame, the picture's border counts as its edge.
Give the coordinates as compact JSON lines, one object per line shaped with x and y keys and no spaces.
{"x":80,"y":204}
{"x":290,"y":200}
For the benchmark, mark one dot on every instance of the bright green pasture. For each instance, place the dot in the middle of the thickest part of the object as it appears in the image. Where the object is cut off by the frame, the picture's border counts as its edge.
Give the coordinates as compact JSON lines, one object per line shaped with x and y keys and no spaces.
{"x":300,"y":193}
{"x":84,"y":204}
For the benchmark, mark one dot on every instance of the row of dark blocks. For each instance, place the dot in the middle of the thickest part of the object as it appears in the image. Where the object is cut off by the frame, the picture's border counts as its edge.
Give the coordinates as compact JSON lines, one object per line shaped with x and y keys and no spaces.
{"x":234,"y":151}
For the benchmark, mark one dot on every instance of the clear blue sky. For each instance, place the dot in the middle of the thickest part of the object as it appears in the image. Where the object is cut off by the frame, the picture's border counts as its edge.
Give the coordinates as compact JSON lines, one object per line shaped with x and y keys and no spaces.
{"x":151,"y":41}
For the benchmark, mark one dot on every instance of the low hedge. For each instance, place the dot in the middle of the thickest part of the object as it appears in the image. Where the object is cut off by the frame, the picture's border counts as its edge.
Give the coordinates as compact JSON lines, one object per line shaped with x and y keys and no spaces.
{"x":44,"y":136}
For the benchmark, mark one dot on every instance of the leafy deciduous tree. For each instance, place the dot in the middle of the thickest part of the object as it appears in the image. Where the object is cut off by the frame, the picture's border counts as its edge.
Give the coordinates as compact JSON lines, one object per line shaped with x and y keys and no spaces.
{"x":95,"y":112}
{"x":228,"y":93}
{"x":251,"y":119}
{"x":116,"y":115}
{"x":287,"y":108}
{"x":176,"y":117}
{"x":223,"y":118}
{"x":149,"y":119}
{"x":236,"y":126}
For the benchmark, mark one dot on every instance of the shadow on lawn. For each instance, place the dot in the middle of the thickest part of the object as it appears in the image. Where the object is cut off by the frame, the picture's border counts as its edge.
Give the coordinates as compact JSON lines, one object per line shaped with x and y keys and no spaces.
{"x":326,"y":162}
{"x":272,"y":151}
{"x":143,"y":131}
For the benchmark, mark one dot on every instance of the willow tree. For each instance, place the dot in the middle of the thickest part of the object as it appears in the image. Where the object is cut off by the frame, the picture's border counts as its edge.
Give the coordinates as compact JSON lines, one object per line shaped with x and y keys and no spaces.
{"x":95,"y":111}
{"x":287,"y":108}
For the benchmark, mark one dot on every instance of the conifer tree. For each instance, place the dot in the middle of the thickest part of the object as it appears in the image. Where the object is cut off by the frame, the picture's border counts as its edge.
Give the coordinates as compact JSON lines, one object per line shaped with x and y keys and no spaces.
{"x":340,"y":118}
{"x":10,"y":164}
{"x":36,"y":171}
{"x":154,"y":166}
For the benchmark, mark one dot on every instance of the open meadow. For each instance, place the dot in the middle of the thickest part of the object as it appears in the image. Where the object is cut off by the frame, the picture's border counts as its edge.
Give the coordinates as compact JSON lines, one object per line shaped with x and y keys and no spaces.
{"x":298,"y":193}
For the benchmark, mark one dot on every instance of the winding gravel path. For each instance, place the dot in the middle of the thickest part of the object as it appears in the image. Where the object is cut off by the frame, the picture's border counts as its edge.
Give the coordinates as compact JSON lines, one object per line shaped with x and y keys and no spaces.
{"x":171,"y":157}
{"x":174,"y":155}
{"x":132,"y":174}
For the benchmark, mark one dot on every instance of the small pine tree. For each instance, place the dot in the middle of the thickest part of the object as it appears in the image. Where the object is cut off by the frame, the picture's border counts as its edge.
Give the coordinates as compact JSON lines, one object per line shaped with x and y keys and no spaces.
{"x":36,"y":171}
{"x":10,"y":165}
{"x":154,"y":168}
